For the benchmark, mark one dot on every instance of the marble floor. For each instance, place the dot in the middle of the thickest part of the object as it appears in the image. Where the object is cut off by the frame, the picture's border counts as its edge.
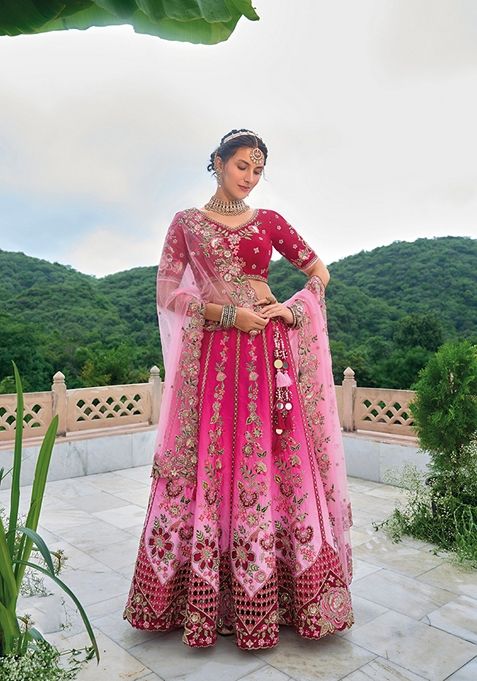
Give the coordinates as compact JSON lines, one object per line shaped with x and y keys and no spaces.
{"x":416,"y":612}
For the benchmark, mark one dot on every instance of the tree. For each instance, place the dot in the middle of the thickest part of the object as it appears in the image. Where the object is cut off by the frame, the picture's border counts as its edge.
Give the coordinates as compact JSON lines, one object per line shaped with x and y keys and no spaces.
{"x":191,"y":21}
{"x":19,"y":342}
{"x":445,"y":412}
{"x":357,"y":358}
{"x":112,"y":366}
{"x":400,"y":368}
{"x":423,"y":330}
{"x":445,"y":408}
{"x":442,"y":507}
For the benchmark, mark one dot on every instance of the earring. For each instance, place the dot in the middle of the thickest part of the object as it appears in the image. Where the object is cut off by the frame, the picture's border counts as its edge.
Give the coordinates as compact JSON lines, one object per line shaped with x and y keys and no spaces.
{"x":218,"y":175}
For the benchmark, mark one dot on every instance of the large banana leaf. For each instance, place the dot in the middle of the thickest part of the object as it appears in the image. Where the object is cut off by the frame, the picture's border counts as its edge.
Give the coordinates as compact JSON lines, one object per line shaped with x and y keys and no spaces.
{"x":194,"y":21}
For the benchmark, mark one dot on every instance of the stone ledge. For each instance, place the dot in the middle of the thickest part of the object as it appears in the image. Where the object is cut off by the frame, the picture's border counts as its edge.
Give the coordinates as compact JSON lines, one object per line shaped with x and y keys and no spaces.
{"x":93,"y":452}
{"x":374,"y":458}
{"x":369,"y":456}
{"x":83,"y":435}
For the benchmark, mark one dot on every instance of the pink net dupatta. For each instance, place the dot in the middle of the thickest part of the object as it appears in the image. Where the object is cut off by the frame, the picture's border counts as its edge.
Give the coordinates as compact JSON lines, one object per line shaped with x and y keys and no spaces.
{"x":184,"y":285}
{"x":311,"y":353}
{"x":180,"y":313}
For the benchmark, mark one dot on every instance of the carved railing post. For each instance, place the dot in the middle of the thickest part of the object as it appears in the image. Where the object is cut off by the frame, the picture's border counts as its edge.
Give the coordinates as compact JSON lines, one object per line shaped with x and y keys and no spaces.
{"x":58,"y":394}
{"x":156,"y":394}
{"x":349,"y":386}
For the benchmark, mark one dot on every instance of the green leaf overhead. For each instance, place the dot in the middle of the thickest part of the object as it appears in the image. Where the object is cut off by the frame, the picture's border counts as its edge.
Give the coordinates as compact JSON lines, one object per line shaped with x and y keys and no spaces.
{"x":195,"y":21}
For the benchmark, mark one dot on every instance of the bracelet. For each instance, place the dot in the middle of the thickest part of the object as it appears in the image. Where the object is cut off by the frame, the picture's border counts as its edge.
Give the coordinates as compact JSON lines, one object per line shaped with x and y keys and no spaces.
{"x":224,"y":316}
{"x":228,"y":316}
{"x":293,"y":322}
{"x":298,"y":313}
{"x":231,"y":316}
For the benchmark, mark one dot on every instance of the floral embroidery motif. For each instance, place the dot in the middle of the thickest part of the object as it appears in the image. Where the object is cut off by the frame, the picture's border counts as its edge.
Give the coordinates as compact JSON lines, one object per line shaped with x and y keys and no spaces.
{"x":252,"y":435}
{"x":174,"y":488}
{"x":160,"y":542}
{"x":186,"y":532}
{"x":316,"y":286}
{"x":282,"y":541}
{"x":242,"y":554}
{"x":215,"y":447}
{"x":291,"y":244}
{"x":174,"y":257}
{"x":248,"y":498}
{"x":182,"y":461}
{"x":303,"y":534}
{"x":207,"y":554}
{"x":336,"y":606}
{"x":313,"y":396}
{"x":222,"y":246}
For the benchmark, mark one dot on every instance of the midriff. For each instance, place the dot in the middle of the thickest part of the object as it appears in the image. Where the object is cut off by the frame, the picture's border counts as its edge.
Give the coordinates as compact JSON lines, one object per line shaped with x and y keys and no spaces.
{"x":262,"y":289}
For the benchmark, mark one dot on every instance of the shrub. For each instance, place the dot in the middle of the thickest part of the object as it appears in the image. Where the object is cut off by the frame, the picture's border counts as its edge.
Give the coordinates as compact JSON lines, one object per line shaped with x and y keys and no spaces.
{"x":441,"y":506}
{"x":445,"y":415}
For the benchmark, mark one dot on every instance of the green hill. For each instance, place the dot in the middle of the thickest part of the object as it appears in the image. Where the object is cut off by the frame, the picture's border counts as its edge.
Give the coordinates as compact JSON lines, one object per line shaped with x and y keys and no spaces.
{"x":427,"y":275}
{"x":388,"y":310}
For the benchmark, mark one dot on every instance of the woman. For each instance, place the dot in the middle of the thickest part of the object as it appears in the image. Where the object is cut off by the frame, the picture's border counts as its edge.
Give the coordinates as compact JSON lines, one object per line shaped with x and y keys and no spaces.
{"x":248,"y":518}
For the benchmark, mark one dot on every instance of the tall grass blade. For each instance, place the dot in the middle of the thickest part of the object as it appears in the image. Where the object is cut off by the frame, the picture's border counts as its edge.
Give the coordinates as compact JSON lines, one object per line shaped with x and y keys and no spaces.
{"x":38,"y":490}
{"x":9,"y":627}
{"x":40,"y":543}
{"x":17,"y":463}
{"x":9,"y":586}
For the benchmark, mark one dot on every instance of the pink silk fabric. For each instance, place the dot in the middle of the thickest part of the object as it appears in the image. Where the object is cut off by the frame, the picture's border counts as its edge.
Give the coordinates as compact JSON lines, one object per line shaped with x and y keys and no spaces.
{"x":245,"y":527}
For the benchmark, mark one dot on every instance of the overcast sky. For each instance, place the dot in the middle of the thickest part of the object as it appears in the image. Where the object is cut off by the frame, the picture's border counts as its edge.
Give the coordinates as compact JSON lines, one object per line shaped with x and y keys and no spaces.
{"x":368,"y":110}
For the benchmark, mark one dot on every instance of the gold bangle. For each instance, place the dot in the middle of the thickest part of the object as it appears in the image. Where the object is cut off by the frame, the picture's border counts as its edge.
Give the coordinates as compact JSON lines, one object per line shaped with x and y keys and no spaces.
{"x":228,"y":315}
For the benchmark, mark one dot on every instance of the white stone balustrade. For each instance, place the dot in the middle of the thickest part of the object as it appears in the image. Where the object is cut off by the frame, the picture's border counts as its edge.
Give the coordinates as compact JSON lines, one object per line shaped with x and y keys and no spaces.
{"x":379,"y":410}
{"x":81,"y":409}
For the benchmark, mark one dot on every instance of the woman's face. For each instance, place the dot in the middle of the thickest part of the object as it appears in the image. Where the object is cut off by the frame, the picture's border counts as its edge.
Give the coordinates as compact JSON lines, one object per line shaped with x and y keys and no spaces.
{"x":240,"y":174}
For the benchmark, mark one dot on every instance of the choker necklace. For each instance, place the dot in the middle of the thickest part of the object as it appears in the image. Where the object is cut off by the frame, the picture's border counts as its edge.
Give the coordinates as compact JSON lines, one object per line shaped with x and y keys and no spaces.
{"x":235,"y":207}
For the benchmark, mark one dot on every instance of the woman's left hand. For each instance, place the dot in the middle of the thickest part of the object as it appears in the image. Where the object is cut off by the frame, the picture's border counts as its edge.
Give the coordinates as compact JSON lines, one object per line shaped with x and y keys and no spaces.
{"x":276,"y":310}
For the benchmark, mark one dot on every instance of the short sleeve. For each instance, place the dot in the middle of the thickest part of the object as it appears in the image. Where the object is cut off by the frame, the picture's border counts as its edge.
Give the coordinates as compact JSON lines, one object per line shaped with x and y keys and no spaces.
{"x":286,"y":240}
{"x":174,"y":253}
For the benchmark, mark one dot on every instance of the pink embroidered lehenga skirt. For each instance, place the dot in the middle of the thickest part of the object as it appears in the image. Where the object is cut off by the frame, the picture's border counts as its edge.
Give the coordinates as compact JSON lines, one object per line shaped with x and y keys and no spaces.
{"x":251,"y":545}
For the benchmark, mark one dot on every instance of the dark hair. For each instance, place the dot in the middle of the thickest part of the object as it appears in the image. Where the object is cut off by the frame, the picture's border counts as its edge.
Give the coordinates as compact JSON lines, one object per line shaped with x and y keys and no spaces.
{"x":227,"y":150}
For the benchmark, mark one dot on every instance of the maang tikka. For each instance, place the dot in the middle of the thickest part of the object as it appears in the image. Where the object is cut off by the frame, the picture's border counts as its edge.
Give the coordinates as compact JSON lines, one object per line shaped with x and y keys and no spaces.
{"x":256,"y":155}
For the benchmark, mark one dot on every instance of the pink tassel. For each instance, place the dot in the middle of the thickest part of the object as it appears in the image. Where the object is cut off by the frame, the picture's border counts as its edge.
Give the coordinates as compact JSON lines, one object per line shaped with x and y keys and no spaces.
{"x":283,"y":379}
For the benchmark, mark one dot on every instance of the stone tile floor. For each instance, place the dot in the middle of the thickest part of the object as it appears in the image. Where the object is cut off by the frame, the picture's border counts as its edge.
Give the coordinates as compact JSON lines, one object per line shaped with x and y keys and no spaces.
{"x":416,"y":612}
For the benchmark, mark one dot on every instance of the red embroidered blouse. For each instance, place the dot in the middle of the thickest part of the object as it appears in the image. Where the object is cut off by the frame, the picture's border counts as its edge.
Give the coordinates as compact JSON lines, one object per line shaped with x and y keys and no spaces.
{"x":267,"y":229}
{"x":252,"y":242}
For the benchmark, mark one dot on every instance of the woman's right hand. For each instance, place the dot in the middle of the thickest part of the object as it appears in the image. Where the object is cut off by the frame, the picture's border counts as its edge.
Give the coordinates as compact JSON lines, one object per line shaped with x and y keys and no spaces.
{"x":246,"y":319}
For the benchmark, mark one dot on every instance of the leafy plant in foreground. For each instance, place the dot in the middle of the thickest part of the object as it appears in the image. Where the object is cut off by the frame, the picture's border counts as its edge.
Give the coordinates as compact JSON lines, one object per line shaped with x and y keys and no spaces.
{"x":445,"y":415}
{"x":442,"y":507}
{"x":17,"y":640}
{"x":41,"y":662}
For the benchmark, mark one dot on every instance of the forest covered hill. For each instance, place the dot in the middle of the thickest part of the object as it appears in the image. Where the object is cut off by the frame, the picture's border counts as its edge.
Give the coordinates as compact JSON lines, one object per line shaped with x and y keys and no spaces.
{"x":388,"y":311}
